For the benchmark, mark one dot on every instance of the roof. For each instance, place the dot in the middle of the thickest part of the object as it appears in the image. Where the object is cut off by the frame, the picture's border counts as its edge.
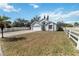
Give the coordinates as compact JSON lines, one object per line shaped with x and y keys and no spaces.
{"x":50,"y":22}
{"x":40,"y":21}
{"x":35,"y":23}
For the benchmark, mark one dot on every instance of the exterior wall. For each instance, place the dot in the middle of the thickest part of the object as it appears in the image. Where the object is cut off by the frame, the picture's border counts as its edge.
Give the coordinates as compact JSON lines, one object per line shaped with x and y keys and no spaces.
{"x":54,"y":27}
{"x":36,"y":27}
{"x":47,"y":28}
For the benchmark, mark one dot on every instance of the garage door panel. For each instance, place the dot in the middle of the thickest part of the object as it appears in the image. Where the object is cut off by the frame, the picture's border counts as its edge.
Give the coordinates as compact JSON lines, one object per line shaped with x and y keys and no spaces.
{"x":37,"y":28}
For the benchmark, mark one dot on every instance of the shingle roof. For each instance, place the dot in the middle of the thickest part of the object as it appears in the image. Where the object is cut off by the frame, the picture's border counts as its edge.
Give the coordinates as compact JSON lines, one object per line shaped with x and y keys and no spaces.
{"x":40,"y":21}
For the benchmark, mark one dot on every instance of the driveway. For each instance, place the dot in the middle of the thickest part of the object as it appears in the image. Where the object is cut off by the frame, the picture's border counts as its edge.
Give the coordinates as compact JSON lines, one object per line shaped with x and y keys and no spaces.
{"x":8,"y":34}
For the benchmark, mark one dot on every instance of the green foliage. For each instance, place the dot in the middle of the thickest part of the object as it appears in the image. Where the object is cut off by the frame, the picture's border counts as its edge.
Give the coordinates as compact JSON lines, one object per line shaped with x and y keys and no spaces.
{"x":60,"y":29}
{"x":3,"y":18}
{"x":76,"y":24}
{"x":3,"y":23}
{"x":36,"y":18}
{"x":21,"y":23}
{"x":60,"y":26}
{"x":68,"y":25}
{"x":8,"y":24}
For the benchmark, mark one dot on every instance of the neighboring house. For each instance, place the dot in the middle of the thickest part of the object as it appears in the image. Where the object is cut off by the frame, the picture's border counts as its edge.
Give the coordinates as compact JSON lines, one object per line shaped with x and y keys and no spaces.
{"x":43,"y":25}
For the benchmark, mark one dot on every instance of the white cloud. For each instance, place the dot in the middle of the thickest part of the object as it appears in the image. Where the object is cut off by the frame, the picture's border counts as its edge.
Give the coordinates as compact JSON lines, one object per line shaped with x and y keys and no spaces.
{"x":72,"y":22}
{"x":58,"y":10}
{"x":8,"y":8}
{"x":72,"y":13}
{"x":60,"y":15}
{"x":34,"y":6}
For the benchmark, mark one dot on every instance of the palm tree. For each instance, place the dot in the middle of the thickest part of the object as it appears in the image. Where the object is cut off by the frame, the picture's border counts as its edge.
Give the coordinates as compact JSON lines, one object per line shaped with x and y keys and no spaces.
{"x":36,"y":18}
{"x":20,"y":22}
{"x":8,"y":24}
{"x":2,"y":23}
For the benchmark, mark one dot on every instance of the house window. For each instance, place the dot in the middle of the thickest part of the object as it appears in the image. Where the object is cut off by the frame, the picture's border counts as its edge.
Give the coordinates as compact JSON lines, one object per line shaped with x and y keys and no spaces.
{"x":50,"y":26}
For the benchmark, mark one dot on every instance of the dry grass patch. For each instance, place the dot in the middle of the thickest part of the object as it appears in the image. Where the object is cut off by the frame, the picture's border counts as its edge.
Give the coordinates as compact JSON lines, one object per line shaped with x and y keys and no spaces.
{"x":39,"y":43}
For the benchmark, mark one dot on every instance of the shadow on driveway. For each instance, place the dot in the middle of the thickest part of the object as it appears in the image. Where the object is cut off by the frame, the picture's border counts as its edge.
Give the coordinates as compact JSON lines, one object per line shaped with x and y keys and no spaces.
{"x":10,"y":39}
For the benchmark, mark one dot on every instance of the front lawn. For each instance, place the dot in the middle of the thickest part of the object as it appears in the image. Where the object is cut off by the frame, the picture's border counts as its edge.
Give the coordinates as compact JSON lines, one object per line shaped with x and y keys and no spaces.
{"x":39,"y":44}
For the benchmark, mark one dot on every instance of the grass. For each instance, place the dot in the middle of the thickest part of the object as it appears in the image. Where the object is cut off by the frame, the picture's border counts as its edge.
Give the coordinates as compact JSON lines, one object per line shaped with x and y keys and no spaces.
{"x":77,"y":30}
{"x":39,"y":44}
{"x":72,"y":28}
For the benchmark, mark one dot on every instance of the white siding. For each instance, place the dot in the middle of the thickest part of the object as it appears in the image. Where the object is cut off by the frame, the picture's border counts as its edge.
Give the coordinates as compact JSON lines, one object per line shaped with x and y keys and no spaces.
{"x":36,"y":27}
{"x":53,"y":27}
{"x":46,"y":28}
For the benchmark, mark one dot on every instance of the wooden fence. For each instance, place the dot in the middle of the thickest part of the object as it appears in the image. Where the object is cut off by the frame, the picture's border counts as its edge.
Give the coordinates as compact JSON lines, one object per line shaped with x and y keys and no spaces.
{"x":74,"y":35}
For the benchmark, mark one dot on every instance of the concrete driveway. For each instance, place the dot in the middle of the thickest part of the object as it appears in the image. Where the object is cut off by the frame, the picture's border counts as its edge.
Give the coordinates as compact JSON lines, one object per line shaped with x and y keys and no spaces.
{"x":9,"y":34}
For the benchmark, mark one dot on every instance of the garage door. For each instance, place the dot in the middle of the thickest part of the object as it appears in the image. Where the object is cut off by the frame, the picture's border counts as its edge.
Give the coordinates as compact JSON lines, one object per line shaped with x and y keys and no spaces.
{"x":36,"y":28}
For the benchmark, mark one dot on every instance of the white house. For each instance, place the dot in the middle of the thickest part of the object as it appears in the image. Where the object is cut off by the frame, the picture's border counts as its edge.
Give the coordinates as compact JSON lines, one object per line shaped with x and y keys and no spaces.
{"x":44,"y":25}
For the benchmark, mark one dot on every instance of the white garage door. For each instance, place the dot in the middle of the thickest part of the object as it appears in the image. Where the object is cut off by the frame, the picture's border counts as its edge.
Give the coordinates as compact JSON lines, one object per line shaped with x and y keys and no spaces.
{"x":36,"y":28}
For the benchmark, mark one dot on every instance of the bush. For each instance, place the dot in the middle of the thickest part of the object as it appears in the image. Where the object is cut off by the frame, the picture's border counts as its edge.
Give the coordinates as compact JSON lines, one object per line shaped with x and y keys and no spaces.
{"x":60,"y":29}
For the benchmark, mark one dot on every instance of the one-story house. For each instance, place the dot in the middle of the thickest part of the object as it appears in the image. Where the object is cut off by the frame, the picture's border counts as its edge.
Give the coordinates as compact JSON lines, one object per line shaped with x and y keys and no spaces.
{"x":44,"y":25}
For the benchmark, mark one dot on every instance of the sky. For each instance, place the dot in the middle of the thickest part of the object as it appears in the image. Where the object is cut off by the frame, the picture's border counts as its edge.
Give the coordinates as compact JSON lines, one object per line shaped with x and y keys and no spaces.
{"x":66,"y":12}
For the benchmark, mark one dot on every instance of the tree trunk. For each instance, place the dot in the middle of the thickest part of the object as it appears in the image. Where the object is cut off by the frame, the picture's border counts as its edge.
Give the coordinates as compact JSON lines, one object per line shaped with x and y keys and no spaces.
{"x":2,"y":32}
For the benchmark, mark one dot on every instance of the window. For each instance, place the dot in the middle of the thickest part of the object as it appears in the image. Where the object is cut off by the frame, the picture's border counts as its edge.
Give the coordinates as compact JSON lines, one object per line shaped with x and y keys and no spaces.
{"x":50,"y":26}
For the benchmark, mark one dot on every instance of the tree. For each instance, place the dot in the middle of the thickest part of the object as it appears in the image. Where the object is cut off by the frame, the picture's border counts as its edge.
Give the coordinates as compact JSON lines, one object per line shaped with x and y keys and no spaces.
{"x":36,"y":18}
{"x":2,"y":23}
{"x":76,"y":24}
{"x":60,"y":26}
{"x":20,"y":22}
{"x":8,"y":24}
{"x":68,"y":25}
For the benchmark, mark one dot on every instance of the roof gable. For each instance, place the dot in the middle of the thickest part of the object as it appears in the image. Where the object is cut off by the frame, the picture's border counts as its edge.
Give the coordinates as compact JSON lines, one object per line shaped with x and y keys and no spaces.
{"x":36,"y":23}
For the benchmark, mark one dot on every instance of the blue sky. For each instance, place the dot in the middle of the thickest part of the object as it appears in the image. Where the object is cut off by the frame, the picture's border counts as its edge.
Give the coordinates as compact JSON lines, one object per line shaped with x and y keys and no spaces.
{"x":56,"y":11}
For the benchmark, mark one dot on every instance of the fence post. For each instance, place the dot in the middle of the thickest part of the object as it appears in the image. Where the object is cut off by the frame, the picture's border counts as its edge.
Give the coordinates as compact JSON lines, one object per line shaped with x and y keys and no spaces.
{"x":69,"y":33}
{"x":66,"y":31}
{"x":77,"y":44}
